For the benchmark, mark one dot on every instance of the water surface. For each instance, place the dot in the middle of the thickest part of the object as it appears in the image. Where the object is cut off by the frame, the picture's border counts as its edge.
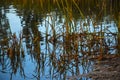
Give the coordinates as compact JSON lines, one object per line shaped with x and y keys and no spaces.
{"x":53,"y":40}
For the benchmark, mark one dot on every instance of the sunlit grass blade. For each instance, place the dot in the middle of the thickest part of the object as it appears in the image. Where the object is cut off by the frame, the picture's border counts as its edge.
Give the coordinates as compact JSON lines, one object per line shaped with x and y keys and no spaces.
{"x":78,"y":9}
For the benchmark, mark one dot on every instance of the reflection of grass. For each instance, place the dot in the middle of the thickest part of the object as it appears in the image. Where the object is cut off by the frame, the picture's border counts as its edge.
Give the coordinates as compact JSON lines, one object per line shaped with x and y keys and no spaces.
{"x":79,"y":45}
{"x":14,"y":51}
{"x":76,"y":44}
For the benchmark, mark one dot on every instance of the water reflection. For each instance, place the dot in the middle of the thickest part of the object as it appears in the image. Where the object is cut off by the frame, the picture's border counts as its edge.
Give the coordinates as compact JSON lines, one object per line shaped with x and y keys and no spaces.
{"x":51,"y":46}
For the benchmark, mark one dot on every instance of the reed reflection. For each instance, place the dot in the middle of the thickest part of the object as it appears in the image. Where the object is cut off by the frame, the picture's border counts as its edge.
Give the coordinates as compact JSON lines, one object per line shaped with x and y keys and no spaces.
{"x":76,"y":48}
{"x":58,"y":38}
{"x":66,"y":52}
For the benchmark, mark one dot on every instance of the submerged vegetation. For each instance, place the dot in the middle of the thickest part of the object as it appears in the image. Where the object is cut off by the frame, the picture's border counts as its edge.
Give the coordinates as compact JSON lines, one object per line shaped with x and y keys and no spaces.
{"x":62,"y":34}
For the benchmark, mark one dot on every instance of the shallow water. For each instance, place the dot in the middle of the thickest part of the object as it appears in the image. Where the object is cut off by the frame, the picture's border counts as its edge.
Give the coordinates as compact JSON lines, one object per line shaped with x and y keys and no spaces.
{"x":36,"y":45}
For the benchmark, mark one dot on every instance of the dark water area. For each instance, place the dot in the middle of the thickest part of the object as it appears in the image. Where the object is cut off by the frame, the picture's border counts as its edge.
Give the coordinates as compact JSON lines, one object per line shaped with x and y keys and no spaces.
{"x":55,"y":39}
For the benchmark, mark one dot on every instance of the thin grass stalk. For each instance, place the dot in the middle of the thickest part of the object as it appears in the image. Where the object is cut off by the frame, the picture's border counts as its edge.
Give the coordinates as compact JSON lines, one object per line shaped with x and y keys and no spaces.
{"x":46,"y":37}
{"x":63,"y":6}
{"x":69,"y":10}
{"x":119,"y":35}
{"x":53,"y":27}
{"x":58,"y":4}
{"x":41,"y":4}
{"x":78,"y":9}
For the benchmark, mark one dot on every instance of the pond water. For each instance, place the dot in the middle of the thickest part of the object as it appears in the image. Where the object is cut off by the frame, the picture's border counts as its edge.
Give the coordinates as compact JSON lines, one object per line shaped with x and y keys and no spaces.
{"x":48,"y":41}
